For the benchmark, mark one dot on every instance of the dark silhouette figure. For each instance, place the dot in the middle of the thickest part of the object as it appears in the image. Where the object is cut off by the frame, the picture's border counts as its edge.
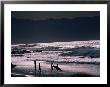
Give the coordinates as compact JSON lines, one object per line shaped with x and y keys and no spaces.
{"x":35,"y":66}
{"x":51,"y":66}
{"x":12,"y":66}
{"x":39,"y":70}
{"x":39,"y":67}
{"x":57,"y":68}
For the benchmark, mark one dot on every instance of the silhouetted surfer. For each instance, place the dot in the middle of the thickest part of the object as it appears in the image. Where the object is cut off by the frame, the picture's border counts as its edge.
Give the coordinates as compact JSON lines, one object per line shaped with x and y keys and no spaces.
{"x":57,"y":68}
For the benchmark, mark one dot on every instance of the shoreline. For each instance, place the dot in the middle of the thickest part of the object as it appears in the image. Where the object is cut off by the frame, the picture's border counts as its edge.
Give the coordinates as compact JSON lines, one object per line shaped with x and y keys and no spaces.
{"x":68,"y":70}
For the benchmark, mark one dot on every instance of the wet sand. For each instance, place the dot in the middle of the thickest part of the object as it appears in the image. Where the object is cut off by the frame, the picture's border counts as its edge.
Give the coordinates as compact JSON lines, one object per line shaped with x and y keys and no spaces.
{"x":68,"y":70}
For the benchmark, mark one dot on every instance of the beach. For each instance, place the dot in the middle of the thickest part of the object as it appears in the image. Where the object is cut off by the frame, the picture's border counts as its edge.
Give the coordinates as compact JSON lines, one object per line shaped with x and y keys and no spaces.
{"x":68,"y":70}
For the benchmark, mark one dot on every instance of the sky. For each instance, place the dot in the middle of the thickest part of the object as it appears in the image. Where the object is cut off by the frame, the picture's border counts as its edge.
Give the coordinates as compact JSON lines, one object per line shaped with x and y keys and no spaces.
{"x":54,"y":26}
{"x":43,"y":15}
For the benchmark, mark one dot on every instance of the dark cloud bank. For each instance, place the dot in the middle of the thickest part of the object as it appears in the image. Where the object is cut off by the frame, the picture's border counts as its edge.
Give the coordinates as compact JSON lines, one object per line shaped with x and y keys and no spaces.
{"x":34,"y":27}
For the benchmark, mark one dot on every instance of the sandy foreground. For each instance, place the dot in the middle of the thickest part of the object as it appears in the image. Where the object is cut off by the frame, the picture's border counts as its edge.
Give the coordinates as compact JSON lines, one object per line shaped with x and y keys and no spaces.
{"x":26,"y":69}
